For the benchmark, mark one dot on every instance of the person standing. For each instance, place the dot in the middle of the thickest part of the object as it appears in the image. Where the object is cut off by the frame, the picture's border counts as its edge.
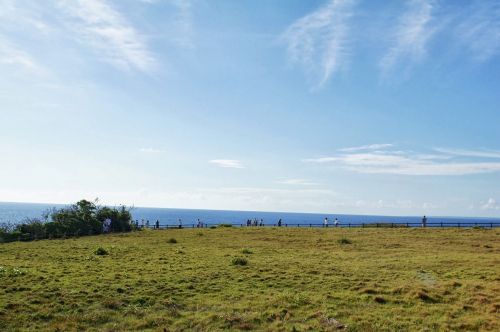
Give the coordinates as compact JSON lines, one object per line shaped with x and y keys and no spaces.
{"x":424,"y":221}
{"x":325,"y":222}
{"x":157,"y":224}
{"x":180,"y":223}
{"x":336,"y":222}
{"x":279,"y":223}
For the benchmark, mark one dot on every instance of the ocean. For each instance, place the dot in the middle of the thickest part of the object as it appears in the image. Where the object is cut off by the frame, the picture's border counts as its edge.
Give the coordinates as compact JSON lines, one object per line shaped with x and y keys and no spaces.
{"x":13,"y":213}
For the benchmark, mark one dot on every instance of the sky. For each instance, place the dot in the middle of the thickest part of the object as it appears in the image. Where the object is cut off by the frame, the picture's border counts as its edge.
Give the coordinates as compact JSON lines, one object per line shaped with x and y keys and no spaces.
{"x":334,"y":106}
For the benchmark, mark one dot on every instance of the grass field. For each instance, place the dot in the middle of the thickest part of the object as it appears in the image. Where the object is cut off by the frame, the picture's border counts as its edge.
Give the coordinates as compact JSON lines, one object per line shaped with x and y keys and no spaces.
{"x":294,"y":280}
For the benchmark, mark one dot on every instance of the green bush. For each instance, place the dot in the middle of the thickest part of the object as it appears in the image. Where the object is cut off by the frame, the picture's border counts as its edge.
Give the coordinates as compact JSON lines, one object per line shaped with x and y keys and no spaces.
{"x":247,"y":251}
{"x":82,"y":218}
{"x":239,"y":261}
{"x":120,"y":219}
{"x":344,"y":241}
{"x":101,"y":252}
{"x":32,"y":229}
{"x":224,"y":225}
{"x":172,"y":240}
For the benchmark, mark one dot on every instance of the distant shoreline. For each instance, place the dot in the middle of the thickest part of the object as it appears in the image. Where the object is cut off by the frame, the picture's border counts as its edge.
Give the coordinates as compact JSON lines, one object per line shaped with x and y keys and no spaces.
{"x":15,"y":212}
{"x":261,"y":211}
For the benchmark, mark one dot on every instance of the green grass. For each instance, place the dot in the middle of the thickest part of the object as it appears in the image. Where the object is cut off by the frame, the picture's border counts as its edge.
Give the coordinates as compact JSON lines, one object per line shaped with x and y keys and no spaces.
{"x":296,"y":279}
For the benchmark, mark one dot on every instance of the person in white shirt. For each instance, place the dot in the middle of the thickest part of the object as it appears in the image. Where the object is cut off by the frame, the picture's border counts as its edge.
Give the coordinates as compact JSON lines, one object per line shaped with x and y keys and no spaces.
{"x":325,"y":222}
{"x":336,"y":222}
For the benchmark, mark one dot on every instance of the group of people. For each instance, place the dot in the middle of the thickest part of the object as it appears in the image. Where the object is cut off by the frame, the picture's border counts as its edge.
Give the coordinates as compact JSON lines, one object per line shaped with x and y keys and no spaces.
{"x":200,"y":224}
{"x":145,"y":223}
{"x":336,"y":222}
{"x":255,"y":222}
{"x":156,"y":225}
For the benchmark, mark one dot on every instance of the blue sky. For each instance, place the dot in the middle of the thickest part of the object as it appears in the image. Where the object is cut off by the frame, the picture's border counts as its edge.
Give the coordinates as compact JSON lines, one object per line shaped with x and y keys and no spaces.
{"x":318,"y":106}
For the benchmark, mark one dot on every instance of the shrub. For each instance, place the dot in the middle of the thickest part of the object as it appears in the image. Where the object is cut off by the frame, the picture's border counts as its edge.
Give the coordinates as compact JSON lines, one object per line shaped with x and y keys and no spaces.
{"x":239,"y":261}
{"x":246,"y":251}
{"x":82,"y":218}
{"x":172,"y":240}
{"x":213,"y":227}
{"x":32,"y":229}
{"x":224,"y":225}
{"x":8,"y":233}
{"x":344,"y":241}
{"x":120,"y":218}
{"x":101,"y":251}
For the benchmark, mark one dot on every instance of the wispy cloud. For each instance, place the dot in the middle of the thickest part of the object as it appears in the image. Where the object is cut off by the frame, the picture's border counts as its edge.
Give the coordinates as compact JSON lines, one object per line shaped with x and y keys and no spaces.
{"x":101,"y":26}
{"x":412,"y":33}
{"x":479,"y":29}
{"x":18,"y":15}
{"x":227,"y":163}
{"x":13,"y":56}
{"x":367,"y":147}
{"x":151,"y":150}
{"x":184,"y":23}
{"x":470,"y":153}
{"x":297,"y":182}
{"x":319,"y":40}
{"x":490,"y":204}
{"x":408,"y":163}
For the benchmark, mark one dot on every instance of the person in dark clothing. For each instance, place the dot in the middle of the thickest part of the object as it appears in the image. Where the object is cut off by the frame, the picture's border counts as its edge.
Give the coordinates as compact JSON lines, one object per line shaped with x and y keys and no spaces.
{"x":424,"y":221}
{"x":157,"y":224}
{"x":279,"y":223}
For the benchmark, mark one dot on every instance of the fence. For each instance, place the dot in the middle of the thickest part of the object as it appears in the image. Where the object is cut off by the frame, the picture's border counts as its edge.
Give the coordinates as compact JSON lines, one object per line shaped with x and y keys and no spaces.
{"x":344,"y":225}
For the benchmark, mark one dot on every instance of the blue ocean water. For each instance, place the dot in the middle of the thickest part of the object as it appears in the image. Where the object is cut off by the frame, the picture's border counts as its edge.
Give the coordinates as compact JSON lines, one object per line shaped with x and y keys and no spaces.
{"x":16,"y":212}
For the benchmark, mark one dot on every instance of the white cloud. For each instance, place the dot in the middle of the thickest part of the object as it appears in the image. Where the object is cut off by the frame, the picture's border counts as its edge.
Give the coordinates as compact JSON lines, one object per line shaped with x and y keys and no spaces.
{"x":297,"y":182}
{"x":184,"y":23}
{"x":99,"y":25}
{"x":227,"y":163}
{"x":479,"y":29}
{"x":18,"y":15}
{"x":368,"y":147}
{"x":406,"y":163}
{"x":13,"y":56}
{"x":320,"y":160}
{"x":491,"y":204}
{"x":151,"y":150}
{"x":319,"y":40}
{"x":470,"y":153}
{"x":412,"y":34}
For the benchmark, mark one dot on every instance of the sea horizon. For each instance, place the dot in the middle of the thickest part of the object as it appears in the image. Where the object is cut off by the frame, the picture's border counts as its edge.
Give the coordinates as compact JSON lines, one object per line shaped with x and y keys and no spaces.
{"x":16,"y":212}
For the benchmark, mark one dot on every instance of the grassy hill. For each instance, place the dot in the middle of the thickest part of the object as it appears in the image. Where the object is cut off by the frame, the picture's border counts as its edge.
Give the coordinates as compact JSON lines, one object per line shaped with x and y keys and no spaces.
{"x":293,"y":280}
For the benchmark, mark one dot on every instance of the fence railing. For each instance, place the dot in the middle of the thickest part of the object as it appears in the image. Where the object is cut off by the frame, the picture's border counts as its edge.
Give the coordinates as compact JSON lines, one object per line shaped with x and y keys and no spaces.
{"x":342,"y":225}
